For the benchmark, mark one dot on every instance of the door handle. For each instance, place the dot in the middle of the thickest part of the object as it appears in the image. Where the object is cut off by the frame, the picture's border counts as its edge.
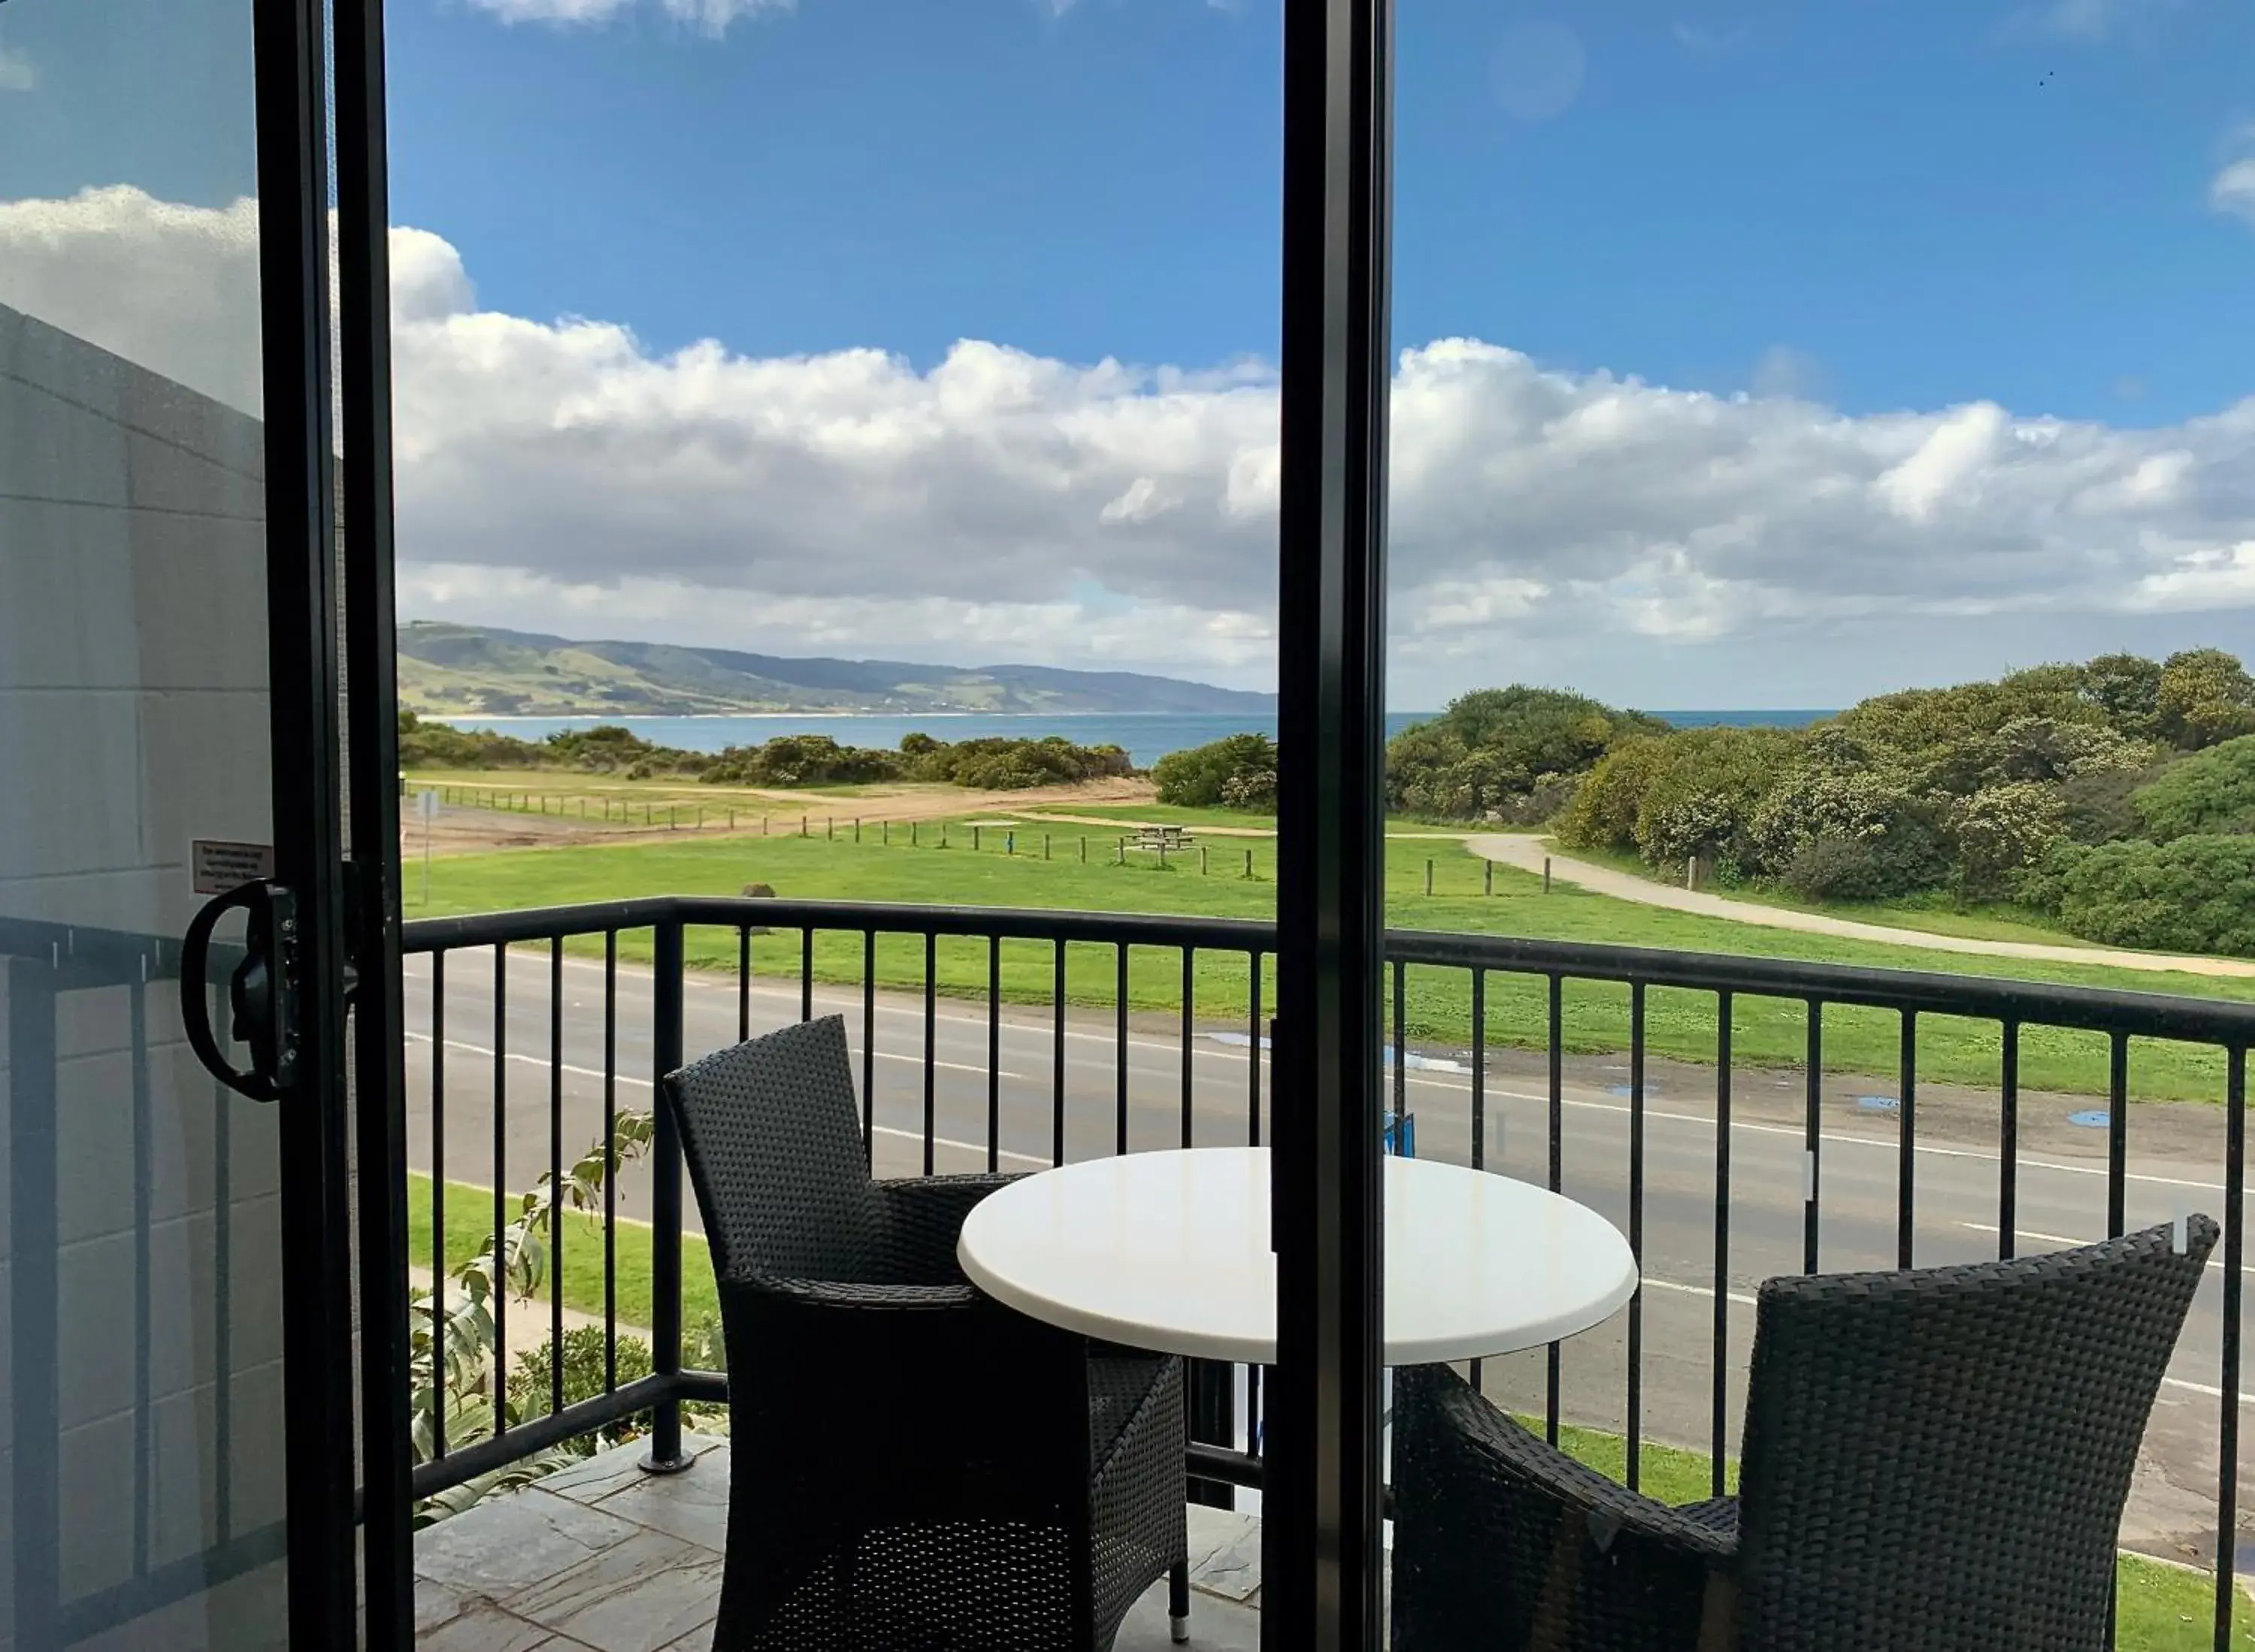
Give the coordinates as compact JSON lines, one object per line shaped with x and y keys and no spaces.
{"x":262,"y":992}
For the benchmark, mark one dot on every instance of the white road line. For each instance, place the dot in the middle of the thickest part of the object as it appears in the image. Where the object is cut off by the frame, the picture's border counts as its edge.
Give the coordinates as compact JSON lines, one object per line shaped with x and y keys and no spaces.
{"x":1740,"y":1298}
{"x":541,"y":1061}
{"x":2215,"y":1263}
{"x":960,"y":1147}
{"x":830,"y":999}
{"x":1463,"y":1086}
{"x":1708,"y":1291}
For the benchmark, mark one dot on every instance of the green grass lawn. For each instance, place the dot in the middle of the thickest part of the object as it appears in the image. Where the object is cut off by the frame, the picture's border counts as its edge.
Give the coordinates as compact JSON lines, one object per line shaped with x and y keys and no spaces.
{"x":1679,"y":1024}
{"x":561,"y":790}
{"x":2162,"y":1608}
{"x":470,"y":1229}
{"x":1161,"y":813}
{"x":1218,"y":819}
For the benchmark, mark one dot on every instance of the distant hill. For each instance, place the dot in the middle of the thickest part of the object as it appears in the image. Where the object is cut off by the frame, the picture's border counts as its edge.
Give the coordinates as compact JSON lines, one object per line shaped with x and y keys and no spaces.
{"x":451,"y":670}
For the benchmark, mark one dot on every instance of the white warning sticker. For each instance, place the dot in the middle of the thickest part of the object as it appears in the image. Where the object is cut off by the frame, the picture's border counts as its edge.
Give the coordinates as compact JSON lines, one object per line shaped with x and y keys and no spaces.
{"x":219,"y":866}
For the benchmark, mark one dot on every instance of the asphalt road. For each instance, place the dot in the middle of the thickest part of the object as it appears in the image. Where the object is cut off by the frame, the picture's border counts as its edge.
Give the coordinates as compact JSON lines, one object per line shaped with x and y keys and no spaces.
{"x":2060,"y":1183}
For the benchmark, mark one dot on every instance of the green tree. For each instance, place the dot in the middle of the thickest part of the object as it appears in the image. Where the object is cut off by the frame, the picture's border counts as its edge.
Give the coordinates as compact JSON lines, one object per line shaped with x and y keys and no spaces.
{"x":2002,"y":828}
{"x":2205,"y":697}
{"x":2126,"y":690}
{"x":1201,"y":776}
{"x":2209,"y":792}
{"x":1603,"y":814}
{"x":1702,"y":801}
{"x":2192,"y":895}
{"x":2042,"y":748}
{"x":1493,"y":751}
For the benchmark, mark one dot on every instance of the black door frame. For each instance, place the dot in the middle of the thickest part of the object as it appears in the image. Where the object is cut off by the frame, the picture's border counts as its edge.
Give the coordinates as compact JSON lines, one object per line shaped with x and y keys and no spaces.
{"x":379,"y":1046}
{"x":309,"y":802}
{"x":1321,"y":1579}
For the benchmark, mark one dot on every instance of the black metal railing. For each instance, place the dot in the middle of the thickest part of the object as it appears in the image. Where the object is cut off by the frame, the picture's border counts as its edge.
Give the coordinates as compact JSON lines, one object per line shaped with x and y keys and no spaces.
{"x":1537,"y":1008}
{"x":1736,"y":1117}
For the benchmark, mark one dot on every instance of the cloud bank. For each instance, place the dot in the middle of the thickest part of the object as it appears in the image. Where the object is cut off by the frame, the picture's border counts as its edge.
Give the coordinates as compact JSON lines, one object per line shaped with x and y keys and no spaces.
{"x":997,"y":503}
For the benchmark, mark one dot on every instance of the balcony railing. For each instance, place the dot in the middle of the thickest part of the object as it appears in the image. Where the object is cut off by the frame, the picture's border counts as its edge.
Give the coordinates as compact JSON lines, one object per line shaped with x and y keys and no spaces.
{"x":990,"y":1038}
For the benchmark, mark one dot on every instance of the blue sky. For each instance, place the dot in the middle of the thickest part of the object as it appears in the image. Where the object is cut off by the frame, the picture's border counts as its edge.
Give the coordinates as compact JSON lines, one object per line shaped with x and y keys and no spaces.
{"x":1752,"y":352}
{"x":1907,"y":204}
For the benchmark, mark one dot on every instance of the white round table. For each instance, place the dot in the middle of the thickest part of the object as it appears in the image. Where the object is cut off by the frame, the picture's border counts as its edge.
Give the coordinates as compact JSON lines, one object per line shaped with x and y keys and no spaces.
{"x":1170,"y":1251}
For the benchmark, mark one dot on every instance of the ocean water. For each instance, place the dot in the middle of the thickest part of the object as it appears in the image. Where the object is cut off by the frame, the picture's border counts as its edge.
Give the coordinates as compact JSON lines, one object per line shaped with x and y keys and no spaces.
{"x":1147,"y":737}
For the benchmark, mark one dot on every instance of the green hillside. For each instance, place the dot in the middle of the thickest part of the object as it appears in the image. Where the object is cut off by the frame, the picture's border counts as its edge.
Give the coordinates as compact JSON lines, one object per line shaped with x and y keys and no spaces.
{"x":449,"y":670}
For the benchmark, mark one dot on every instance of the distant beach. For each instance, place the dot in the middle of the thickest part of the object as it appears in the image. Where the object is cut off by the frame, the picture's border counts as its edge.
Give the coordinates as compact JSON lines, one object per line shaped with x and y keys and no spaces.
{"x":1147,"y":737}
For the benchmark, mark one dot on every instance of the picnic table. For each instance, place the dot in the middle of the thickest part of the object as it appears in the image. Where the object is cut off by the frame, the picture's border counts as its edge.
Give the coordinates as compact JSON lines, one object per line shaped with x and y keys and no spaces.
{"x":1161,"y":838}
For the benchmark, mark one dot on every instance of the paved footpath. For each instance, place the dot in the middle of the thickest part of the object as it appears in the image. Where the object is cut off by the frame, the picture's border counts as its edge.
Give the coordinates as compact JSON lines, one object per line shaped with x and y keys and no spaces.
{"x":1528,"y":851}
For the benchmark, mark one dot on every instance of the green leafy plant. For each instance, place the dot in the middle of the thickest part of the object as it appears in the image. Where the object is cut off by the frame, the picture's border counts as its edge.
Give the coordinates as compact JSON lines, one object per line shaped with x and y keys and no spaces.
{"x":452,"y":1356}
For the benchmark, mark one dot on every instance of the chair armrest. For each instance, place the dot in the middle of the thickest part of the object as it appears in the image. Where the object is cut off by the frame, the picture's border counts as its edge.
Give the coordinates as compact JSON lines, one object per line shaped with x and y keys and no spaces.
{"x":924,"y":1217}
{"x":1529,"y":1466}
{"x":1500,"y":1539}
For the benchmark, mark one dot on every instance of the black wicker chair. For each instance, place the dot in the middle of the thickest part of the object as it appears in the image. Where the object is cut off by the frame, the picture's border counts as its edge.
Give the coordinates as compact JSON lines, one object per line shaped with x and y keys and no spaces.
{"x":1935,"y":1461}
{"x":915,"y":1467}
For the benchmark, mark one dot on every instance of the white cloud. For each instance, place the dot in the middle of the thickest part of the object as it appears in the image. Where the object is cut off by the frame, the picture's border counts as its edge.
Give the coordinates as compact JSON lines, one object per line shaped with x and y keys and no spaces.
{"x":2094,"y":20}
{"x":2232,"y":190}
{"x":560,"y":475}
{"x":1537,"y":69}
{"x":1783,"y":370}
{"x":18,"y":73}
{"x":710,"y":17}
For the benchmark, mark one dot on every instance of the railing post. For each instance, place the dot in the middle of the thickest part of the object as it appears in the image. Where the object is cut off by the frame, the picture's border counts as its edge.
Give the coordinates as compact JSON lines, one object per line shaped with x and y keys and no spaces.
{"x":667,"y":966}
{"x":1212,"y":1400}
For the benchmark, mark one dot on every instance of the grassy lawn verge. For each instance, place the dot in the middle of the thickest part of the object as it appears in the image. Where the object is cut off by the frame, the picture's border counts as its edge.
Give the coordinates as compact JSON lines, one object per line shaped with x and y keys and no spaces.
{"x":2163,"y":1608}
{"x":1680,"y":1025}
{"x":470,"y":1229}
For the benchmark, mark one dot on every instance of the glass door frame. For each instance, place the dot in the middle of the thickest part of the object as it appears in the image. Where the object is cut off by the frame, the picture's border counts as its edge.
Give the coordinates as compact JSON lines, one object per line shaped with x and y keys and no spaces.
{"x":363,"y":295}
{"x":1321,"y":1578}
{"x":1322,"y":1506}
{"x":339,"y":903}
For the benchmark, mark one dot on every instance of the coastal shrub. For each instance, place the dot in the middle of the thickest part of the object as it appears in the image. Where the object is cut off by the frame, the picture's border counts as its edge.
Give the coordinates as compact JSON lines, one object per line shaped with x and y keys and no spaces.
{"x":2045,"y":748}
{"x":1014,"y":765}
{"x":2192,"y":894}
{"x":2098,"y":808}
{"x":2211,"y":791}
{"x":1703,"y":800}
{"x":802,"y":760}
{"x":1492,"y":751}
{"x":1603,"y":810}
{"x":2001,"y":829}
{"x":1835,"y":869}
{"x":1254,"y":789}
{"x":2126,"y":690}
{"x":1205,"y":777}
{"x":1905,"y":858}
{"x":2205,"y":697}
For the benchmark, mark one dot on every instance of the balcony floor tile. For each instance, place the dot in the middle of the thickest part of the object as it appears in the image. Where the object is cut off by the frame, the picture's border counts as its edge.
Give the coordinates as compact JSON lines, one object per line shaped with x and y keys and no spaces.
{"x":607,"y":1558}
